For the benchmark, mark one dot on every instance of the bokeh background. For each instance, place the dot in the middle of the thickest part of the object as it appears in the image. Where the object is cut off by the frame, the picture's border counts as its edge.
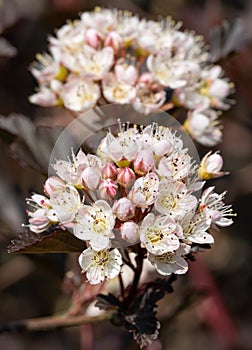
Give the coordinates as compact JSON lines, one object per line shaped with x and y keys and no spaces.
{"x":218,"y":313}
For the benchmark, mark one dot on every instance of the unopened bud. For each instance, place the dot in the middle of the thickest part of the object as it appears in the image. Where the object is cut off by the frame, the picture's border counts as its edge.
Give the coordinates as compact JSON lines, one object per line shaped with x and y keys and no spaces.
{"x":125,"y":177}
{"x":210,"y":166}
{"x":109,"y":171}
{"x":90,"y":178}
{"x":124,"y":209}
{"x":130,"y":232}
{"x":52,"y":184}
{"x":108,"y":189}
{"x":144,"y":162}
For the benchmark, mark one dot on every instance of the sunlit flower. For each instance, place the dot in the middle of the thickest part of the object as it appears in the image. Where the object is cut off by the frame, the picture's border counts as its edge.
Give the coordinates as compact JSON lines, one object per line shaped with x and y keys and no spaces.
{"x":144,"y":191}
{"x":213,"y":205}
{"x":171,"y":262}
{"x":66,"y":202}
{"x":99,"y":265}
{"x":95,"y":224}
{"x":159,"y":234}
{"x":79,"y":95}
{"x":174,"y":199}
{"x":195,"y":228}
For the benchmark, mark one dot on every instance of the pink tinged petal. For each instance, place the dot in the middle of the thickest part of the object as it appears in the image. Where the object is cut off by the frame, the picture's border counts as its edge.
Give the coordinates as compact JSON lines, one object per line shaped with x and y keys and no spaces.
{"x":108,"y":189}
{"x":109,"y":171}
{"x":90,"y":178}
{"x":41,"y":200}
{"x":124,"y":209}
{"x":125,"y":177}
{"x":92,"y":37}
{"x":113,"y":40}
{"x":127,"y":74}
{"x":52,"y":184}
{"x":144,"y":162}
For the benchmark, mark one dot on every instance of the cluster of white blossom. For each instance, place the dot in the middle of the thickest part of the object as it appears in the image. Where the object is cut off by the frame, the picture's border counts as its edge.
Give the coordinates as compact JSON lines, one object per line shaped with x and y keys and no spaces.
{"x":112,"y":56}
{"x":139,"y":187}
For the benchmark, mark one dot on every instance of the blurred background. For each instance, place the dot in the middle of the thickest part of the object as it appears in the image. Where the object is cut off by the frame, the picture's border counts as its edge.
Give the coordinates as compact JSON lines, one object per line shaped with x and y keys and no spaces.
{"x":31,"y":286}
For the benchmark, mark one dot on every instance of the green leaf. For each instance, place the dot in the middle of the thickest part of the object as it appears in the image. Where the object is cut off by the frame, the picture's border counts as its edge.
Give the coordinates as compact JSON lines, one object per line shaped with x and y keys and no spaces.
{"x":57,"y":241}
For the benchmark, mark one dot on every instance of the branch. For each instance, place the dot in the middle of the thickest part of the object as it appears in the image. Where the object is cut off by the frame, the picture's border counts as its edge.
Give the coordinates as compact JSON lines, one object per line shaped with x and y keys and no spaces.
{"x":51,"y":323}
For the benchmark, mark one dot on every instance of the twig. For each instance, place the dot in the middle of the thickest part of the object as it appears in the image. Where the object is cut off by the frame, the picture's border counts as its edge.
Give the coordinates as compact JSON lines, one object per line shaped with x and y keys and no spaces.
{"x":51,"y":323}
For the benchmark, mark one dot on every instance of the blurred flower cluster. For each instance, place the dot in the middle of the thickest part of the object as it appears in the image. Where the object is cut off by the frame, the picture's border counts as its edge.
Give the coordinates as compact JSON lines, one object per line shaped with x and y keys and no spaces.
{"x":142,"y":186}
{"x":112,"y":56}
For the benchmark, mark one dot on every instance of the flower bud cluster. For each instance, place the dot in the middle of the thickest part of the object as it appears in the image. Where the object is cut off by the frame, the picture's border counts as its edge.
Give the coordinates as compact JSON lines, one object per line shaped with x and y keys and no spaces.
{"x":137,"y":190}
{"x":112,"y":56}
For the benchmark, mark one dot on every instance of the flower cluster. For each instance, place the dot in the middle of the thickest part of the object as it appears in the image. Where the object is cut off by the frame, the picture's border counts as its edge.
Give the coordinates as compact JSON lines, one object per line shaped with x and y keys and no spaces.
{"x":139,"y":189}
{"x":112,"y":56}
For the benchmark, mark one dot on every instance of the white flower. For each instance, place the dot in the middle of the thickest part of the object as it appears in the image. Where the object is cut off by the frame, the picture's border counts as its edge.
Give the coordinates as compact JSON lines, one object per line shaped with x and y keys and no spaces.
{"x":117,"y":91}
{"x":39,"y":221}
{"x":176,"y":166}
{"x":152,"y":38}
{"x":79,"y":94}
{"x":171,"y":262}
{"x":43,"y":216}
{"x":121,"y":149}
{"x":66,"y":203}
{"x":101,"y":19}
{"x":172,"y":73}
{"x":145,"y":190}
{"x":212,"y":204}
{"x":195,"y":227}
{"x":45,"y":69}
{"x":160,"y":140}
{"x":99,"y":265}
{"x":94,"y":64}
{"x":159,"y":234}
{"x":71,"y":171}
{"x":95,"y":224}
{"x":204,"y":127}
{"x":190,"y":97}
{"x":174,"y":200}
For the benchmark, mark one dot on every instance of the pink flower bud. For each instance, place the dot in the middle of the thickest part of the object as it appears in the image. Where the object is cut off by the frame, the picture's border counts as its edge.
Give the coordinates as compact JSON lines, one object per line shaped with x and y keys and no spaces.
{"x":144,"y":162}
{"x":90,"y":178}
{"x":130,"y":232}
{"x":113,"y":40}
{"x":124,"y":209}
{"x":92,"y":38}
{"x":109,"y":171}
{"x":52,"y":184}
{"x":108,"y":189}
{"x":210,"y":166}
{"x":125,"y":177}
